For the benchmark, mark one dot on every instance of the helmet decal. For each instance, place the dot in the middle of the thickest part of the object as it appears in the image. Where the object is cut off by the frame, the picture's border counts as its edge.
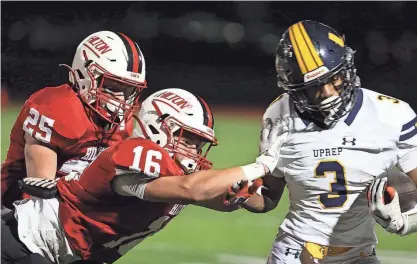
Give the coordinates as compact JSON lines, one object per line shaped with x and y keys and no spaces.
{"x":307,"y":56}
{"x":134,"y":55}
{"x":208,"y":117}
{"x":177,"y":101}
{"x":97,"y":45}
{"x":338,"y":40}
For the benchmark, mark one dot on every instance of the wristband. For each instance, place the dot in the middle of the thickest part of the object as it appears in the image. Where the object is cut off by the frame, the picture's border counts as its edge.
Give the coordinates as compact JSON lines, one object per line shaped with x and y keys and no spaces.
{"x":253,"y":171}
{"x":410,"y":222}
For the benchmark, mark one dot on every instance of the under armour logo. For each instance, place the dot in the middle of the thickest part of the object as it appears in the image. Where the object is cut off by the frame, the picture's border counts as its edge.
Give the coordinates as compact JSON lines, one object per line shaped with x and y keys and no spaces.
{"x":349,"y":140}
{"x":293,"y":251}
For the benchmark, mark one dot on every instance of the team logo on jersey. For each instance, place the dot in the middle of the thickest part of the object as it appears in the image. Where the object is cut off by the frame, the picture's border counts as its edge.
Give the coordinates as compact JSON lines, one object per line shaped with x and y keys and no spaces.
{"x":327,"y":152}
{"x":292,"y":251}
{"x":92,"y":153}
{"x":349,"y":140}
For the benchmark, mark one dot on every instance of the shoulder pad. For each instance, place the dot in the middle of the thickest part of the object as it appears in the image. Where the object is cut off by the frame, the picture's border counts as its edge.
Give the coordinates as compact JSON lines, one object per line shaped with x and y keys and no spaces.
{"x":279,"y":108}
{"x":56,"y":111}
{"x":390,"y":110}
{"x":379,"y":97}
{"x":144,"y":156}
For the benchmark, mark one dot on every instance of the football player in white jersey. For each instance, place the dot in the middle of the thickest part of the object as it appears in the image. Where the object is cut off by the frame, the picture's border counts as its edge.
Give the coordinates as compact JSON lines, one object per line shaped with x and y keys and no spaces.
{"x":342,"y":137}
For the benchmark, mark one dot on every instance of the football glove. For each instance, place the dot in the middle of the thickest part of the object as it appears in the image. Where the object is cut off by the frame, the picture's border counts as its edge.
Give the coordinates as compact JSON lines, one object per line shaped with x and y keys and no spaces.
{"x":38,"y":187}
{"x":269,"y":158}
{"x":241,"y":191}
{"x":267,"y":161}
{"x":384,"y":205}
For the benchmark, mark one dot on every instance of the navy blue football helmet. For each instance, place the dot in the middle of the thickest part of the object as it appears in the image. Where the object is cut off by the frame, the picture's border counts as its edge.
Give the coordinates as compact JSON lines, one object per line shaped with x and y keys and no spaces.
{"x":309,"y":55}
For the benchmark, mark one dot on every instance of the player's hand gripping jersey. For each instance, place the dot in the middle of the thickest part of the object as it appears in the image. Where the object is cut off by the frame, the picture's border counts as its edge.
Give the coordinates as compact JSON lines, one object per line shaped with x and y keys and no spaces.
{"x":58,"y":118}
{"x":328,"y":171}
{"x":101,"y":224}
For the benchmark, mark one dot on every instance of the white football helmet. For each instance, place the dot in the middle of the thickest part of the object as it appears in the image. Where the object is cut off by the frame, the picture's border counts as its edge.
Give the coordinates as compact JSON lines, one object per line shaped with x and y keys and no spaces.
{"x":175,"y":111}
{"x":107,"y":57}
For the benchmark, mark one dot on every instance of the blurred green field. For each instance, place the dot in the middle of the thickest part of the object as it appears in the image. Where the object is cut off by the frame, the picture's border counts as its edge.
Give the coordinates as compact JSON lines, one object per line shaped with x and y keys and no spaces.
{"x":201,"y":235}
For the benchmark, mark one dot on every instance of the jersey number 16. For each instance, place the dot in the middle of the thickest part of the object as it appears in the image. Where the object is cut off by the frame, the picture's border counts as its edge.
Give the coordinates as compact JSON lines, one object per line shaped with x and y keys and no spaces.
{"x":150,"y":167}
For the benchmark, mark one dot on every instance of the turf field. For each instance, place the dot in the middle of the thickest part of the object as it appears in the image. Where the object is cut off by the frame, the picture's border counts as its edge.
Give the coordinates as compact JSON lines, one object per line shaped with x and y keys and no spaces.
{"x":200,"y":235}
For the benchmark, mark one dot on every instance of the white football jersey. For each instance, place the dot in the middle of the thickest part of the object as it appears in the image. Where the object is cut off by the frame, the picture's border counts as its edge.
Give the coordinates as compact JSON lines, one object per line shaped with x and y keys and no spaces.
{"x":328,"y":171}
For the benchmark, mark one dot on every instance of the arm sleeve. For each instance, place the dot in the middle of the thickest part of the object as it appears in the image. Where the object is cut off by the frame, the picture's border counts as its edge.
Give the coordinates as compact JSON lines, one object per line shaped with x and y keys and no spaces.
{"x":407,"y":141}
{"x":130,"y":185}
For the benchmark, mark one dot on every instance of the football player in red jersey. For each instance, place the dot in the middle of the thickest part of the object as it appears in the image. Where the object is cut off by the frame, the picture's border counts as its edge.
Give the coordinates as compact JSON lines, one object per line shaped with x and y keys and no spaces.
{"x":133,"y":189}
{"x":60,"y":129}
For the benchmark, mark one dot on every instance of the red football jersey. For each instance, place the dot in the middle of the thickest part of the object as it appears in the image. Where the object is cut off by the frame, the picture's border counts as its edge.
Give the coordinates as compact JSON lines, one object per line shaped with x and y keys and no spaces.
{"x":57,"y":117}
{"x":102,"y":225}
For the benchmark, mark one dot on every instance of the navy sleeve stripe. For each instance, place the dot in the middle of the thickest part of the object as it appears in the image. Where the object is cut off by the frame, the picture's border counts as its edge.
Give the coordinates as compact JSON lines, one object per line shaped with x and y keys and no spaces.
{"x":410,"y":124}
{"x":408,"y":135}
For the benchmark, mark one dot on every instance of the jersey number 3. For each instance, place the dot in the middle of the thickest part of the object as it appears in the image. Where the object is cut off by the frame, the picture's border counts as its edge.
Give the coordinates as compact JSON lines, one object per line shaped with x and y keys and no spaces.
{"x":337,"y":195}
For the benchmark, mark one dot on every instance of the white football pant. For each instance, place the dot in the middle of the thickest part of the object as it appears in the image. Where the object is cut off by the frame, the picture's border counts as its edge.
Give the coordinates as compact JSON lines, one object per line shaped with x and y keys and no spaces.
{"x":287,"y":250}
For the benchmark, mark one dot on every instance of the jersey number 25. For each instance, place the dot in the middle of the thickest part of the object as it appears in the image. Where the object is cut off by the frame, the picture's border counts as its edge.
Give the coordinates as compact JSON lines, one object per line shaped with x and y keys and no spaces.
{"x":44,"y":123}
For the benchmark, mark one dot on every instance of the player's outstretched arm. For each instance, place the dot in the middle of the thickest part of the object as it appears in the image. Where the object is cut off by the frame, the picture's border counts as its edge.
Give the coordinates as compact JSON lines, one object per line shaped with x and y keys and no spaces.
{"x":41,"y":160}
{"x":202,"y":185}
{"x":218,"y":204}
{"x":208,"y":184}
{"x":196,"y":187}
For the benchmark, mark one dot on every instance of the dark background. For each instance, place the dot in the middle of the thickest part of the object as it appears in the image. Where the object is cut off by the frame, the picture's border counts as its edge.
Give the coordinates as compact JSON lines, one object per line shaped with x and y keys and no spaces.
{"x":222,"y":51}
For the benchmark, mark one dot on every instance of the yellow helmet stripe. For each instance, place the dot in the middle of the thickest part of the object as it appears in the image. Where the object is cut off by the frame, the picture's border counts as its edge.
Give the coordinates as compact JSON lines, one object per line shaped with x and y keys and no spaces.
{"x":338,"y":40}
{"x":305,"y":53}
{"x":297,"y":51}
{"x":310,"y":45}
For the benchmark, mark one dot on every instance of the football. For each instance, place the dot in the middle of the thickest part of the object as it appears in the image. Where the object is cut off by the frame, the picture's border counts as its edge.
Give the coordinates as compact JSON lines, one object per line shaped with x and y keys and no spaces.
{"x":407,"y":190}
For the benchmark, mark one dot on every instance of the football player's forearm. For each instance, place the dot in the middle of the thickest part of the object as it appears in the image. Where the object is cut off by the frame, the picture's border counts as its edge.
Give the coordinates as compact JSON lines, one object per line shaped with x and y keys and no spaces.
{"x":260,"y":204}
{"x":194,"y":188}
{"x":167,"y":189}
{"x":255,"y":204}
{"x":208,"y":184}
{"x":272,"y":190}
{"x":41,"y":161}
{"x":218,"y":204}
{"x":413,"y":175}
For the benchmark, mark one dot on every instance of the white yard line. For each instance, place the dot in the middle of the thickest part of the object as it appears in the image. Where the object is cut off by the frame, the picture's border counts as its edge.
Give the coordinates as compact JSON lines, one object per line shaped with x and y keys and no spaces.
{"x":385,"y":256}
